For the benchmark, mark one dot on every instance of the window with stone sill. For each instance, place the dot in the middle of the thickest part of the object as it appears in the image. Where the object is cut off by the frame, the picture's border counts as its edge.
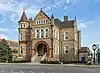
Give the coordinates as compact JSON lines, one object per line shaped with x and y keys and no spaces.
{"x":38,"y":33}
{"x":65,"y":35}
{"x":65,"y":49}
{"x":21,"y":50}
{"x":42,"y":33}
{"x":47,"y":32}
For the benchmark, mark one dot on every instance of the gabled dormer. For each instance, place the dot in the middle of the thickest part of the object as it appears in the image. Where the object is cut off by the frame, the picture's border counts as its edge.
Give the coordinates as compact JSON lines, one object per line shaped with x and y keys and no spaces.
{"x":41,"y":18}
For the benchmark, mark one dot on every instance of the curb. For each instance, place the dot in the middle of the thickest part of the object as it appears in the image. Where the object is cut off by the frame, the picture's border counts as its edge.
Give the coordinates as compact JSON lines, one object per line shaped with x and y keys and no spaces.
{"x":64,"y":65}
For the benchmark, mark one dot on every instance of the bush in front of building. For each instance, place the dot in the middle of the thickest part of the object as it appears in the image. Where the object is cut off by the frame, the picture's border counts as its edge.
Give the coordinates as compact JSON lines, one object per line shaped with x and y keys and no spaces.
{"x":49,"y":62}
{"x":71,"y":62}
{"x":20,"y":61}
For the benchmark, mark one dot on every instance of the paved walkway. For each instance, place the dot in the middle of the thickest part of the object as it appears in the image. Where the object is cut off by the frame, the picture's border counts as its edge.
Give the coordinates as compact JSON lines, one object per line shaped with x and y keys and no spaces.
{"x":65,"y":65}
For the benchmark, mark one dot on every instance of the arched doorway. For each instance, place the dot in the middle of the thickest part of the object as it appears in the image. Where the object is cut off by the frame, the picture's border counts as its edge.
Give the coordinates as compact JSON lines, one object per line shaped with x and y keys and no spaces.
{"x":41,"y":49}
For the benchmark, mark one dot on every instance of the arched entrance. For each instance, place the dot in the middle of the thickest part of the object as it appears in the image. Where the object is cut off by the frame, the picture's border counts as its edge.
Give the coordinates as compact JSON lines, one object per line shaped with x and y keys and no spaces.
{"x":41,"y":49}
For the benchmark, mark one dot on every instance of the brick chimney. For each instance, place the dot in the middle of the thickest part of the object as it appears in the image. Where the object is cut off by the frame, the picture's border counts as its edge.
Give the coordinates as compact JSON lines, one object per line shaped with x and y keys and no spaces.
{"x":65,"y":18}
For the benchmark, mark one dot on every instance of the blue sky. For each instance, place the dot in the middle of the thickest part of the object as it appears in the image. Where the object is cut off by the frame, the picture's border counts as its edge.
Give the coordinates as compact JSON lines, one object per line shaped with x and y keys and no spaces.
{"x":86,"y":11}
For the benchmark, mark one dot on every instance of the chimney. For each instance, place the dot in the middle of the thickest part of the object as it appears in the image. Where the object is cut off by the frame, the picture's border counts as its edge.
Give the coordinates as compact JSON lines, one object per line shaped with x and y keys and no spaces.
{"x":65,"y":18}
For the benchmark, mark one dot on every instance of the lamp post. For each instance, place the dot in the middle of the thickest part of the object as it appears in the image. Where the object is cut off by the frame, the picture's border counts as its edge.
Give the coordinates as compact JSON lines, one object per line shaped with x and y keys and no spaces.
{"x":61,"y":53}
{"x":94,"y":47}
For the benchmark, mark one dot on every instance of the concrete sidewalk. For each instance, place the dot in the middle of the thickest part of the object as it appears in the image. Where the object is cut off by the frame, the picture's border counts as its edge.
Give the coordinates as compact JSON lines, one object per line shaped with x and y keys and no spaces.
{"x":64,"y":65}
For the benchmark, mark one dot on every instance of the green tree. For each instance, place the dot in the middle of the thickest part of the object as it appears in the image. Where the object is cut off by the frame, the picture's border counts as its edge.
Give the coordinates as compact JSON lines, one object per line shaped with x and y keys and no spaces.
{"x":6,"y":51}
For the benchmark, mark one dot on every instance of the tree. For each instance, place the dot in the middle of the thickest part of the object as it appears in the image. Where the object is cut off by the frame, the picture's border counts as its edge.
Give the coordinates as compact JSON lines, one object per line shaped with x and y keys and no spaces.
{"x":6,"y":51}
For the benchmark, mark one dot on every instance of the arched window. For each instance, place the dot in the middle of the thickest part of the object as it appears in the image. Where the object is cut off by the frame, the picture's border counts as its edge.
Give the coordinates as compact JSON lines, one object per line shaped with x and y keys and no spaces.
{"x":38,"y":33}
{"x":47,"y":33}
{"x":42,"y":33}
{"x":20,"y":36}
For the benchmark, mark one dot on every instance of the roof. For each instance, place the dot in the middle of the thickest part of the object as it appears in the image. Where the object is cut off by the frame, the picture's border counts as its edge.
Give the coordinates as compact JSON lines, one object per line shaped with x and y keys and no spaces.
{"x":41,"y":11}
{"x":84,"y":49}
{"x":23,"y":17}
{"x":64,"y":24}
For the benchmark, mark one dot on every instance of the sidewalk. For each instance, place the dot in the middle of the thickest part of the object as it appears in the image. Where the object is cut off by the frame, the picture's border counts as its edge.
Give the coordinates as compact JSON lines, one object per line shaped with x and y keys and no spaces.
{"x":64,"y":65}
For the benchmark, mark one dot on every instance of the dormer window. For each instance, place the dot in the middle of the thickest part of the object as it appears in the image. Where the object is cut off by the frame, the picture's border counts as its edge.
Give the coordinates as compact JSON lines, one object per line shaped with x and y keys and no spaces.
{"x":41,"y":22}
{"x":24,"y":25}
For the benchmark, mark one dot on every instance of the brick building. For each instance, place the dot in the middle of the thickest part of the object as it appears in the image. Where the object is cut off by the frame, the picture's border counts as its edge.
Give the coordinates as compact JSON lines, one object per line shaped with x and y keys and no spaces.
{"x":45,"y":37}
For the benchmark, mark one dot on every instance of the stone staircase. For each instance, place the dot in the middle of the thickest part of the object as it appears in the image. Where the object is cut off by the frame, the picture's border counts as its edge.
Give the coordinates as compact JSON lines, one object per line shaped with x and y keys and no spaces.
{"x":38,"y":59}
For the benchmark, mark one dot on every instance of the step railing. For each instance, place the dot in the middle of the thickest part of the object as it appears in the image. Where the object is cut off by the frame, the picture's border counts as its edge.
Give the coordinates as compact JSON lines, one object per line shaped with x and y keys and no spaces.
{"x":34,"y":57}
{"x":43,"y":57}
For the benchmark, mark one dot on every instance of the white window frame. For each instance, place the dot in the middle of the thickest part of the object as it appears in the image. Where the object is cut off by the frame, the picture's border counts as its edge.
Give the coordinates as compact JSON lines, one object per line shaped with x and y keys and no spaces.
{"x":65,"y":35}
{"x":41,"y":33}
{"x":46,"y":32}
{"x":66,"y":49}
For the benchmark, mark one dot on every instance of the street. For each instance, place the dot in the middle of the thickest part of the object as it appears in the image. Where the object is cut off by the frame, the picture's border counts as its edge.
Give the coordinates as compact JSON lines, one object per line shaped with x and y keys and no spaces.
{"x":29,"y":68}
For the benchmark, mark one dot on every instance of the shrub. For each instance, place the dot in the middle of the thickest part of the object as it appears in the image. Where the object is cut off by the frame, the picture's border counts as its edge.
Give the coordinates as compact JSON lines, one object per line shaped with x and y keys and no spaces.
{"x":70,"y":62}
{"x":49,"y":62}
{"x":20,"y":61}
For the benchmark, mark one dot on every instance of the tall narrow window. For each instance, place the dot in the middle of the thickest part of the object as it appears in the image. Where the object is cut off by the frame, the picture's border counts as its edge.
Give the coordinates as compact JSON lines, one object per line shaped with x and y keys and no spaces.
{"x":55,"y":49}
{"x":65,"y":35}
{"x":47,"y":32}
{"x":42,"y":33}
{"x":66,"y":49}
{"x":54,"y":33}
{"x":21,"y":50}
{"x":20,"y":36}
{"x":38,"y":33}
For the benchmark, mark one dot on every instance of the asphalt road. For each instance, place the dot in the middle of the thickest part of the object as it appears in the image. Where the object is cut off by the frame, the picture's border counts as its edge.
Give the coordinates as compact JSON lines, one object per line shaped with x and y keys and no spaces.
{"x":21,"y":68}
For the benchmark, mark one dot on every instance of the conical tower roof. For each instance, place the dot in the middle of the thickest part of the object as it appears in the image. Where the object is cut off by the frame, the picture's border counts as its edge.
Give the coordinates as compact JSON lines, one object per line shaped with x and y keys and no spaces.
{"x":23,"y":17}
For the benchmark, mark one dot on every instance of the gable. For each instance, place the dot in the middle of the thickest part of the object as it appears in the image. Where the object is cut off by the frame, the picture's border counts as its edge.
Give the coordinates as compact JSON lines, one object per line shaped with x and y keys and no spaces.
{"x":41,"y":16}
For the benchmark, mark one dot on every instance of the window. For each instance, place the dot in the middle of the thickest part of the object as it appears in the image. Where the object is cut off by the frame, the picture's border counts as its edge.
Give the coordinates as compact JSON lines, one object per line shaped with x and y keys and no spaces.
{"x":20,"y":36}
{"x":21,"y":50}
{"x":44,"y":21}
{"x":57,"y":49}
{"x":65,"y":35}
{"x":36,"y":22}
{"x":41,"y":22}
{"x":54,"y":49}
{"x":75,"y":36}
{"x":66,"y":49}
{"x":38,"y":33}
{"x":21,"y":25}
{"x":42,"y":33}
{"x":54,"y":33}
{"x":47,"y":32}
{"x":24,"y":25}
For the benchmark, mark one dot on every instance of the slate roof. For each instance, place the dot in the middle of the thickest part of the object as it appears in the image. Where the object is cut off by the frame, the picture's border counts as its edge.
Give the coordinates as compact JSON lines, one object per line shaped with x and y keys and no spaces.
{"x":84,"y":49}
{"x":23,"y":17}
{"x":64,"y":24}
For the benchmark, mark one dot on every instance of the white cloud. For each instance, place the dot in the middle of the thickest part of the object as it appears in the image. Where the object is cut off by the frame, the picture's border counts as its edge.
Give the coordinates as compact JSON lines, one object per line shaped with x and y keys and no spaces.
{"x":83,"y":25}
{"x":2,"y":36}
{"x":3,"y":30}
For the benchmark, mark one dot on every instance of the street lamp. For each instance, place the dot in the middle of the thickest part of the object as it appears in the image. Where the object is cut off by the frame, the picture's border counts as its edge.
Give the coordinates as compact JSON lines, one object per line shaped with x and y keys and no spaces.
{"x":94,"y":47}
{"x":61,"y":52}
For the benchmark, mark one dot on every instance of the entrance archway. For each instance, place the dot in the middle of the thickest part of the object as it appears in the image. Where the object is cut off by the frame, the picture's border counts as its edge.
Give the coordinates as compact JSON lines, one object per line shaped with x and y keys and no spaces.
{"x":41,"y":48}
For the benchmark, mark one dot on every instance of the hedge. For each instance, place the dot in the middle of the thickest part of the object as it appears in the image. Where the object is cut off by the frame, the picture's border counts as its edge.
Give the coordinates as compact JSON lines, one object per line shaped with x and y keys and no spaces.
{"x":20,"y":61}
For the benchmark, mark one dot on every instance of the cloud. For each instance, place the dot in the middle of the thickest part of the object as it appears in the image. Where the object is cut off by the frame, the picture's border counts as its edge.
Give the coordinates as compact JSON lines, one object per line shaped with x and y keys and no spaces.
{"x":2,"y":36}
{"x":3,"y":30}
{"x":84,"y":24}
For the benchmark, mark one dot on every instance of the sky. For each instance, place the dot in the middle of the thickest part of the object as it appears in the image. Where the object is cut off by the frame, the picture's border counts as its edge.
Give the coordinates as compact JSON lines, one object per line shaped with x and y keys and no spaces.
{"x":87,"y":13}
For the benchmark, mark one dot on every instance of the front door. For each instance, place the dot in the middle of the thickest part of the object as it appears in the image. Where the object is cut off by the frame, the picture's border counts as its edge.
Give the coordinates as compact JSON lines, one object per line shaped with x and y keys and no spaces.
{"x":41,"y":49}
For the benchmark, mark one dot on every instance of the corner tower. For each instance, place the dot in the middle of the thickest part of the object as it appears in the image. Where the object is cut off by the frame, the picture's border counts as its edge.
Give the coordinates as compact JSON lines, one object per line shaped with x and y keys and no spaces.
{"x":24,"y":37}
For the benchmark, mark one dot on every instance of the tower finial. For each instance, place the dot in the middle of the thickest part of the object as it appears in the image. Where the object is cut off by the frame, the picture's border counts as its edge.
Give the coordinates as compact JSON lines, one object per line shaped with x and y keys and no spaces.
{"x":23,"y":9}
{"x":52,"y":16}
{"x":75,"y":17}
{"x":41,"y":9}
